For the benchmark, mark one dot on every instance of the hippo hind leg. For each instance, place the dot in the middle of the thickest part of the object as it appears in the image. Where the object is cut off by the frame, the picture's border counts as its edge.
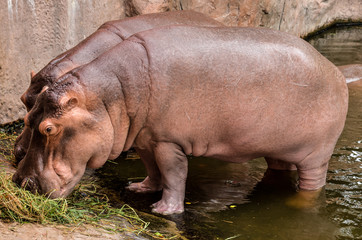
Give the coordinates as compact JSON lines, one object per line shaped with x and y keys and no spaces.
{"x":313,"y":169}
{"x":312,"y":172}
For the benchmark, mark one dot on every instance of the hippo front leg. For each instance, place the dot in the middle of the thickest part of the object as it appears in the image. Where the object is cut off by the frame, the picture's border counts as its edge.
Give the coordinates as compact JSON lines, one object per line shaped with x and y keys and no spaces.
{"x":173,"y":165}
{"x":152,"y":183}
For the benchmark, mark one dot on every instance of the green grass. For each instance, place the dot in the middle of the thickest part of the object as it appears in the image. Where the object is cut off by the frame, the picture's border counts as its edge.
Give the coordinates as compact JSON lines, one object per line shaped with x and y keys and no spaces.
{"x":7,"y":146}
{"x":87,"y":204}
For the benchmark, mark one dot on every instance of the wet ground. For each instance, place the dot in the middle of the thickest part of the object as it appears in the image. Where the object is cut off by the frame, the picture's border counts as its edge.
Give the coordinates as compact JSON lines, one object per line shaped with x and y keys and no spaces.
{"x":234,"y":201}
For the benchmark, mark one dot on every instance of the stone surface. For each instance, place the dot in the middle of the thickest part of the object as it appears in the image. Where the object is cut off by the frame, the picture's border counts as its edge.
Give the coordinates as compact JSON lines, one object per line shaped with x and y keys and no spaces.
{"x":299,"y":17}
{"x":35,"y":31}
{"x":137,"y":7}
{"x":27,"y":231}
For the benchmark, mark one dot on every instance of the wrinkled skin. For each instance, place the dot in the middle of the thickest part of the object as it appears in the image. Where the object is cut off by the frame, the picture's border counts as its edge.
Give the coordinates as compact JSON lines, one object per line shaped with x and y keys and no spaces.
{"x":233,"y":94}
{"x":352,"y":73}
{"x":107,"y":36}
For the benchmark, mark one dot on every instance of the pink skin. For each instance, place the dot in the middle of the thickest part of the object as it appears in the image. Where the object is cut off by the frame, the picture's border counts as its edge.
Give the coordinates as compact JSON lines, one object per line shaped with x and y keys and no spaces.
{"x":233,"y":94}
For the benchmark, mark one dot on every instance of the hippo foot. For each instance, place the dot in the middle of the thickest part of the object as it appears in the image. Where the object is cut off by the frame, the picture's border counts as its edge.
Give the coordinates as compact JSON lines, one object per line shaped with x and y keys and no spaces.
{"x":146,"y":186}
{"x":161,"y":207}
{"x":304,"y":199}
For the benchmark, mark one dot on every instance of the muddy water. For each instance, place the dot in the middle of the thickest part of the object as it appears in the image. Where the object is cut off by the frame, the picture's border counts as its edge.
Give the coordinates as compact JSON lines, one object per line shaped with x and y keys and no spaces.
{"x":235,"y":201}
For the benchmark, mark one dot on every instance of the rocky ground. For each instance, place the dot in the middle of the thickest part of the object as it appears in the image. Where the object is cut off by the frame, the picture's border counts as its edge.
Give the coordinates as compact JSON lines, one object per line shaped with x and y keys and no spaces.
{"x":16,"y":231}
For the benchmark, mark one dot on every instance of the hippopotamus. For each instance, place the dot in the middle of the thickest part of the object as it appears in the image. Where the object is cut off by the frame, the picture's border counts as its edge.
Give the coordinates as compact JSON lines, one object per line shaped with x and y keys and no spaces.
{"x":232,"y":94}
{"x":352,"y":73}
{"x":107,"y":36}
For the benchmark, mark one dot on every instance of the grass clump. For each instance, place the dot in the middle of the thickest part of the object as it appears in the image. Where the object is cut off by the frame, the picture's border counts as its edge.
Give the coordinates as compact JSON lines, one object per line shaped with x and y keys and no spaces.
{"x":6,"y":146}
{"x":83,"y":206}
{"x":19,"y":205}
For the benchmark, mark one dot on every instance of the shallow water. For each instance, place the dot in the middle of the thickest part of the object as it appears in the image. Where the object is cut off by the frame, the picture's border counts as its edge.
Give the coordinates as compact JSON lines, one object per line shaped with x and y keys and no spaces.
{"x":234,"y":201}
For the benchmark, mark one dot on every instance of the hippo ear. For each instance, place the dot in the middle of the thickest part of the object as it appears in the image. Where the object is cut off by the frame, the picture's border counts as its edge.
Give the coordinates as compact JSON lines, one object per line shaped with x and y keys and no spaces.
{"x":68,"y":103}
{"x":32,"y":74}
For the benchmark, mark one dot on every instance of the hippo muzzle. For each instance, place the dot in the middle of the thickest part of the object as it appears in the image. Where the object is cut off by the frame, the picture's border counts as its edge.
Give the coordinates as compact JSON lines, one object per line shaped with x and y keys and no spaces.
{"x":39,"y":172}
{"x":38,"y":184}
{"x":34,"y":172}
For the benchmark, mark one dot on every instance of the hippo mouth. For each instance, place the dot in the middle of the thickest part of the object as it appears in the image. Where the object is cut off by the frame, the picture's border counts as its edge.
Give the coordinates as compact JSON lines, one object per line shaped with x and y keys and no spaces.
{"x":63,"y":190}
{"x":52,"y":187}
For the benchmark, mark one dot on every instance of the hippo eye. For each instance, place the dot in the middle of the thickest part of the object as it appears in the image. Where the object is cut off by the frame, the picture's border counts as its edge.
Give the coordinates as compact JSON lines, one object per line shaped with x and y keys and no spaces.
{"x":50,"y":130}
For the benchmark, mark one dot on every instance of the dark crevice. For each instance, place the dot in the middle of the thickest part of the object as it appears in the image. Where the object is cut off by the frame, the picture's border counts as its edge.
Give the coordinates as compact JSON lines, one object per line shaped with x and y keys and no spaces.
{"x":281,"y":16}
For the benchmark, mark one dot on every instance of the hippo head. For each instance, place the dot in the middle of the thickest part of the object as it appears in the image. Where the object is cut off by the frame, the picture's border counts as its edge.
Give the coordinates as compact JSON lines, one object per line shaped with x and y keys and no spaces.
{"x":69,"y":130}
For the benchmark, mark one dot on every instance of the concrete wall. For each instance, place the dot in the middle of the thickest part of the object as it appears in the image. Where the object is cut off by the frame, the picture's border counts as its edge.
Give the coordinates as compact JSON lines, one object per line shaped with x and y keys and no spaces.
{"x":33,"y":32}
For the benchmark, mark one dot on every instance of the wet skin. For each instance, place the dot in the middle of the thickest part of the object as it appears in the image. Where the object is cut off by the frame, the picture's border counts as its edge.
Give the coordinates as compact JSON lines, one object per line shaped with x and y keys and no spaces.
{"x":107,"y":36}
{"x":233,"y":94}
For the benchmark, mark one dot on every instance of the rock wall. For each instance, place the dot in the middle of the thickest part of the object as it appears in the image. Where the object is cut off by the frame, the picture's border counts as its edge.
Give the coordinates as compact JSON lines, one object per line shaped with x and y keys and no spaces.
{"x":35,"y":31}
{"x":299,"y":17}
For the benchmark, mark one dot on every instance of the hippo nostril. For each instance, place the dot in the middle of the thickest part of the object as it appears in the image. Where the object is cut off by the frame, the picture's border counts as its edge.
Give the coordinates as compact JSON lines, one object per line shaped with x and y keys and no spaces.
{"x":25,"y":182}
{"x":28,"y":183}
